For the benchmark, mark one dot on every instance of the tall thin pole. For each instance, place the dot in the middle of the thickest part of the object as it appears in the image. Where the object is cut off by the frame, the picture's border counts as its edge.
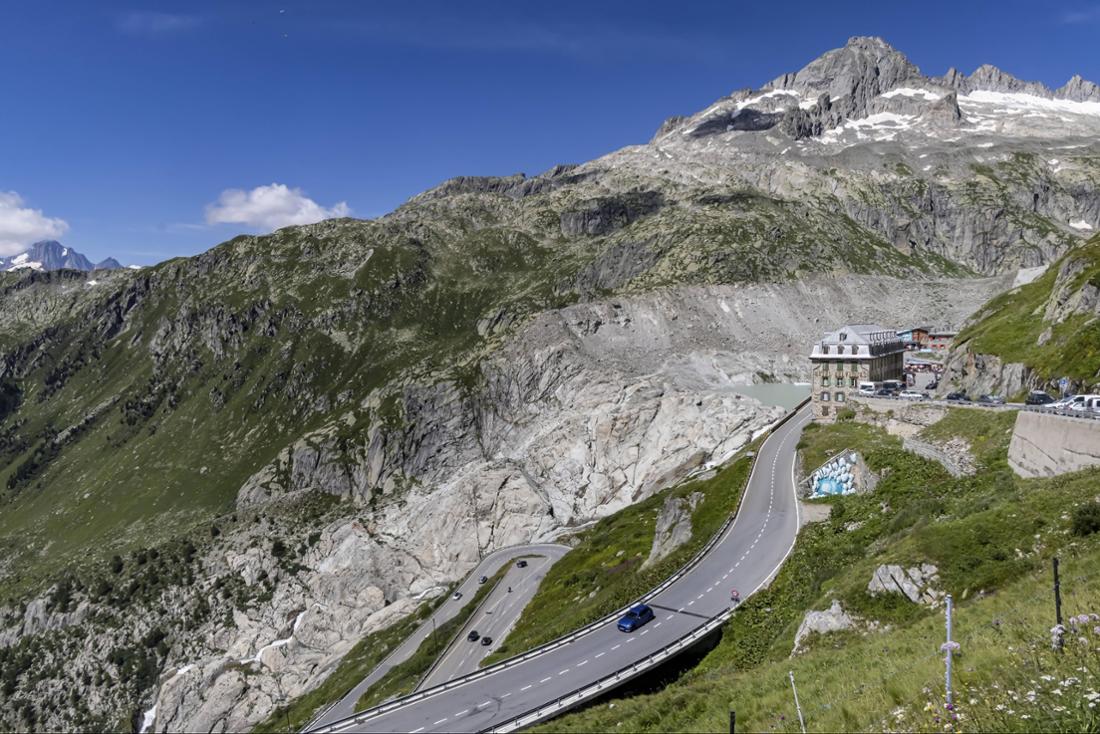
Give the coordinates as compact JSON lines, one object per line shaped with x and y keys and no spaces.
{"x":1057,"y":604}
{"x":797,"y":706}
{"x":733,"y":721}
{"x":950,"y":606}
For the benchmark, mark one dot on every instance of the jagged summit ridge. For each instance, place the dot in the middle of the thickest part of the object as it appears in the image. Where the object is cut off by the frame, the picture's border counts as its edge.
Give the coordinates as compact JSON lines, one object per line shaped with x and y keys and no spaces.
{"x":52,"y":255}
{"x":868,"y":77}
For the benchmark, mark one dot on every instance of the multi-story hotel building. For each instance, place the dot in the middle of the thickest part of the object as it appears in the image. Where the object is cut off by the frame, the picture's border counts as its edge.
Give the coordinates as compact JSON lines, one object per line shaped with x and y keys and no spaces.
{"x":848,"y":356}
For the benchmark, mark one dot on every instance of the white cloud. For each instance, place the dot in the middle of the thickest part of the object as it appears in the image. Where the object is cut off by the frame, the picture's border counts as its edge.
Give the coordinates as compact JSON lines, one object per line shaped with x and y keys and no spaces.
{"x":142,"y":23}
{"x":270,"y":207}
{"x":21,"y":227}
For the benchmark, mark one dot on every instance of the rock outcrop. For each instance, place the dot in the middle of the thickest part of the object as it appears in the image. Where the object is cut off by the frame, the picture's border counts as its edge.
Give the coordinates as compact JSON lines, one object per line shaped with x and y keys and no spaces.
{"x":673,"y":527}
{"x":916,"y":583}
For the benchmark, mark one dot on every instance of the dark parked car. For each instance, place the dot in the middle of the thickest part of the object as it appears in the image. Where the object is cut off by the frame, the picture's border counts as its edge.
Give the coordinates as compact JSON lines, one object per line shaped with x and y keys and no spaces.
{"x":1038,"y":397}
{"x":486,"y":641}
{"x":638,"y":615}
{"x":521,"y":564}
{"x":932,"y":385}
{"x":958,"y":397}
{"x":991,"y":400}
{"x":473,"y":636}
{"x":884,"y":392}
{"x":483,"y":579}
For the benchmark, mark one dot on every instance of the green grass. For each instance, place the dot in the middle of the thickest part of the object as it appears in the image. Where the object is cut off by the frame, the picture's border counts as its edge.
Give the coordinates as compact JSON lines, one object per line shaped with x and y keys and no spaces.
{"x":991,"y":537}
{"x":820,"y":442}
{"x":894,"y":681}
{"x":604,"y":570}
{"x":1010,"y":325}
{"x":987,"y":432}
{"x":354,"y":667}
{"x":404,"y":677}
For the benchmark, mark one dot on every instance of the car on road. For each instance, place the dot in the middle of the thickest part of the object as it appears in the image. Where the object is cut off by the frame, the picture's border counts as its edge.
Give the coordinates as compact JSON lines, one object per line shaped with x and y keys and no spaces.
{"x":457,"y":595}
{"x":1038,"y":397}
{"x":958,"y":397}
{"x":991,"y":400}
{"x":521,"y":564}
{"x":911,"y":395}
{"x":867,"y":389}
{"x":639,"y":614}
{"x":883,"y":392}
{"x":932,"y":385}
{"x":483,"y":579}
{"x":486,"y":641}
{"x":1087,"y":404}
{"x":473,"y":636}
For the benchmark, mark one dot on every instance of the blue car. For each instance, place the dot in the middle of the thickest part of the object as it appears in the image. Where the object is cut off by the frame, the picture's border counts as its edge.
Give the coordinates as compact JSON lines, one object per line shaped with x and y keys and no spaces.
{"x":635,"y":618}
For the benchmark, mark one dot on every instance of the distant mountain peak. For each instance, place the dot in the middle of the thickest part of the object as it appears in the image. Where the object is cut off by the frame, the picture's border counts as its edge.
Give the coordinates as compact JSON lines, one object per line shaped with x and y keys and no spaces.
{"x":52,"y":255}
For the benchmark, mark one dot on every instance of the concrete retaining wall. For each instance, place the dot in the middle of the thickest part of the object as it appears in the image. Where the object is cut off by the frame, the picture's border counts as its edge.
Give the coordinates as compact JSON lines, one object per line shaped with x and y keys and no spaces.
{"x":1044,"y":445}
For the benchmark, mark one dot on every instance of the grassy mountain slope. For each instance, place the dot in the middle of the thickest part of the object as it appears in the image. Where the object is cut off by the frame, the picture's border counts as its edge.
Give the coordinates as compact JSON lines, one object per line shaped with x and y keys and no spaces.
{"x":1051,"y":325}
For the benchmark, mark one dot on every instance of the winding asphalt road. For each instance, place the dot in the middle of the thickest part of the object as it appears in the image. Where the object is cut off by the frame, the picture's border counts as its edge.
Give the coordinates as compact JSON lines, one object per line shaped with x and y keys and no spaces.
{"x":548,"y":554}
{"x":747,"y":556}
{"x":494,"y":619}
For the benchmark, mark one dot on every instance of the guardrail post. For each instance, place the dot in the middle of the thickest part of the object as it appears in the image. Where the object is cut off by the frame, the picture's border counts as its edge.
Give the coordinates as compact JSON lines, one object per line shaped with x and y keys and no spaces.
{"x":733,"y":721}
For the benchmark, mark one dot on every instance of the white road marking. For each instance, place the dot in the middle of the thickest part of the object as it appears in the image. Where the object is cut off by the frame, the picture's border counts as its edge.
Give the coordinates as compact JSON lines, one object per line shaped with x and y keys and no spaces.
{"x":544,"y":680}
{"x":563,"y":672}
{"x":506,"y":695}
{"x":525,"y":688}
{"x":439,"y":722}
{"x":484,"y":703}
{"x":669,"y":617}
{"x":691,"y":602}
{"x":462,"y":712}
{"x":414,"y":731}
{"x":644,"y":633}
{"x":600,"y":654}
{"x":616,"y":647}
{"x":657,"y":625}
{"x":710,"y":589}
{"x":583,"y":662}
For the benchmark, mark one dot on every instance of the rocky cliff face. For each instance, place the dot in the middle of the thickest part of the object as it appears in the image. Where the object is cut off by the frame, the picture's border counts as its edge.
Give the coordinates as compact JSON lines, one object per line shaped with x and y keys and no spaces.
{"x":1036,"y":334}
{"x":224,"y":470}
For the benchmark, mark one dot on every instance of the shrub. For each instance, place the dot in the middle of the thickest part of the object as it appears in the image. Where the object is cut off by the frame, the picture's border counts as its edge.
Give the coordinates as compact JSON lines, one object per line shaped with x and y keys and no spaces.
{"x":847,"y":414}
{"x":1086,"y":519}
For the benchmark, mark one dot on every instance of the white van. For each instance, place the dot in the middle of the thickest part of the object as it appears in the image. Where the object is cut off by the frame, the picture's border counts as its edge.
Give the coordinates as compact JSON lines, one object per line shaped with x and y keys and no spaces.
{"x":867,"y":388}
{"x":1086,"y":403}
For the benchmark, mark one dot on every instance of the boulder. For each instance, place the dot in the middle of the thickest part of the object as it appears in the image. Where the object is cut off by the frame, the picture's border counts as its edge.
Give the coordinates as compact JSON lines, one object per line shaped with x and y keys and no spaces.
{"x":915,"y":583}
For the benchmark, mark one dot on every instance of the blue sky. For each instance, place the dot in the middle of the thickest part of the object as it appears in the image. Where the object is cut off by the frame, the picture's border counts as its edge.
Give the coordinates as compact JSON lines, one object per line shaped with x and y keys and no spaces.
{"x":144,"y":131}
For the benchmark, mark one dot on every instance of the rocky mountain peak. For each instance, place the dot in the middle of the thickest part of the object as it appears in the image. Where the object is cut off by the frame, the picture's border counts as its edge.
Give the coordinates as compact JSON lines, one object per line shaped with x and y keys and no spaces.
{"x":1078,"y":89}
{"x":991,"y":79}
{"x":863,"y":68}
{"x":52,"y":255}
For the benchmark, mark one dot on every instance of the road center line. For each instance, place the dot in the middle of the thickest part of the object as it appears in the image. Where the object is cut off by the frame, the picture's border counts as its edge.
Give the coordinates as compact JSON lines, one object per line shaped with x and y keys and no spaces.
{"x":600,"y":654}
{"x":563,"y":672}
{"x":462,"y":712}
{"x":525,"y":688}
{"x":583,"y":662}
{"x":439,"y":722}
{"x":544,"y":680}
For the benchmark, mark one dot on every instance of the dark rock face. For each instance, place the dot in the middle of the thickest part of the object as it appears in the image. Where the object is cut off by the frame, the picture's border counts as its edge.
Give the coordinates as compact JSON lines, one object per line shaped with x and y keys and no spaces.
{"x":615,"y":267}
{"x":607,"y":213}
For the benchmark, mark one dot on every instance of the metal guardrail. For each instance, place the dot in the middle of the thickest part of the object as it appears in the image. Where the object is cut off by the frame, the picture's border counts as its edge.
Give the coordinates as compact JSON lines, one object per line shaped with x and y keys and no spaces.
{"x":364,"y":716}
{"x":613,"y":680}
{"x":1088,"y":415}
{"x":1065,"y":413}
